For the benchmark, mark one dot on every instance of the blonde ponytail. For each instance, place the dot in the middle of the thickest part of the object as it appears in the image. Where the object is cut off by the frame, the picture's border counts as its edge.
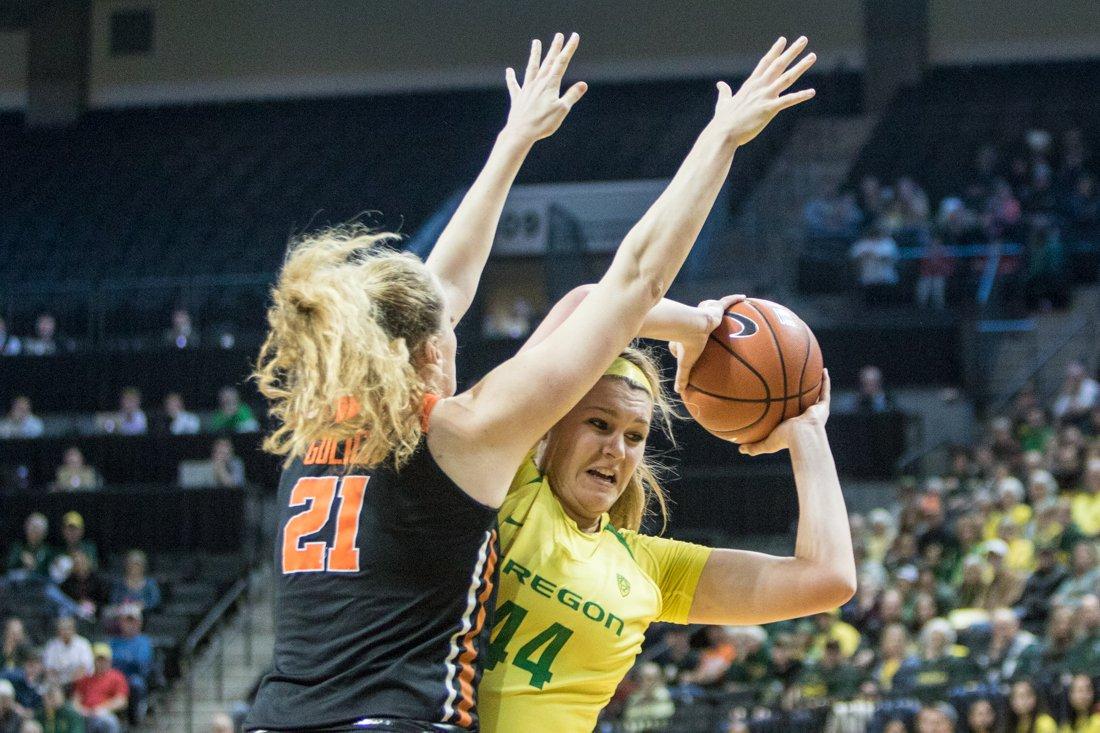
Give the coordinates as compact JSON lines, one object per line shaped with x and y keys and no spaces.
{"x":348,"y":319}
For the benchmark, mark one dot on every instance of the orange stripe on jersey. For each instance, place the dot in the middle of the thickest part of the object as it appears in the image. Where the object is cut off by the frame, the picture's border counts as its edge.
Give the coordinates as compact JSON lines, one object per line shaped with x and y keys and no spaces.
{"x":469,"y":652}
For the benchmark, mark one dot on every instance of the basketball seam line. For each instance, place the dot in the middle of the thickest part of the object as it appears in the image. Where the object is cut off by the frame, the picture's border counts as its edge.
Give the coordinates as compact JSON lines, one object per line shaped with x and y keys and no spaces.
{"x":761,"y":400}
{"x":779,"y":352}
{"x":805,"y":362}
{"x":751,"y":368}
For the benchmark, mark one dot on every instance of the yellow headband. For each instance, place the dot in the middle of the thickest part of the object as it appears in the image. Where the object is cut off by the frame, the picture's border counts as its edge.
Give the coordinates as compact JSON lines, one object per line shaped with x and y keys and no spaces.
{"x":629,"y":371}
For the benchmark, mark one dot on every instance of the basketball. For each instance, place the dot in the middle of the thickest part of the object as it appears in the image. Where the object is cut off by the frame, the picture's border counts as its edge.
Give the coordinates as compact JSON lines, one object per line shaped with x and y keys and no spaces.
{"x":761,"y":366}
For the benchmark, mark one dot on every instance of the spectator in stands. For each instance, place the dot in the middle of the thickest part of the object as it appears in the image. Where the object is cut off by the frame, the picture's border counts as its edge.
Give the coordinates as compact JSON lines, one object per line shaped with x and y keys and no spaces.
{"x":1045,"y":278}
{"x":714,"y":661}
{"x":133,"y":656}
{"x":130,"y":418}
{"x":44,"y":342}
{"x":650,"y":706}
{"x":936,"y":718}
{"x":939,"y":667}
{"x":1084,"y":576}
{"x":1067,"y":457}
{"x":1012,"y":652}
{"x":908,"y":212}
{"x":936,"y":266}
{"x":233,"y":416}
{"x":32,"y":556}
{"x":1085,"y":505}
{"x":828,"y":627}
{"x":102,"y":695}
{"x":1082,"y":211}
{"x":1081,"y":713}
{"x":872,"y":198}
{"x":57,"y":715}
{"x":876,"y":256}
{"x":1035,"y":433}
{"x":1059,"y":640}
{"x":10,"y":719}
{"x":982,"y":717}
{"x":72,"y":531}
{"x":175,"y":419}
{"x":228,"y":468}
{"x":16,"y":646}
{"x":831,"y":677}
{"x":20,"y":422}
{"x":181,"y":335}
{"x":1079,"y":394}
{"x":956,"y":223}
{"x":673,"y":652}
{"x":9,"y":345}
{"x":1040,"y":586}
{"x":68,"y":656}
{"x":1006,"y":584}
{"x":29,"y":682}
{"x":135,"y":587}
{"x":74,"y":474}
{"x":872,"y":398}
{"x":1003,"y":213}
{"x":85,"y":586}
{"x":1027,"y":711}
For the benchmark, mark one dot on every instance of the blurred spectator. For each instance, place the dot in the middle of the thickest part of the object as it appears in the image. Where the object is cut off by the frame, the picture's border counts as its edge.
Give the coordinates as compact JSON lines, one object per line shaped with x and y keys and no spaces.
{"x":102,"y":695}
{"x":68,"y":656}
{"x":1081,"y":713}
{"x":1086,"y":503}
{"x":936,"y":718}
{"x":673,"y":652}
{"x":74,"y":474}
{"x":175,"y":419}
{"x":130,"y":418}
{"x":32,"y":556}
{"x":832,"y":217}
{"x":9,"y":345}
{"x":938,"y":668}
{"x":872,"y":198}
{"x":1045,"y":279}
{"x":1067,"y":457}
{"x":29,"y":681}
{"x":1027,"y":711}
{"x":1084,"y":576}
{"x":10,"y":719}
{"x":1035,"y":433}
{"x":72,"y":532}
{"x":876,"y":255}
{"x":1078,"y":395}
{"x":828,"y":627}
{"x":1012,"y":652}
{"x":936,"y":265}
{"x":650,"y":706}
{"x":1082,"y":210}
{"x":15,"y":647}
{"x":957,"y":224}
{"x":44,"y":341}
{"x":1002,"y":213}
{"x":20,"y":422}
{"x":135,"y":587}
{"x":872,"y":397}
{"x":714,"y":661}
{"x":32,"y":726}
{"x":228,"y":469}
{"x":233,"y":416}
{"x":1041,"y":585}
{"x":85,"y":586}
{"x":181,"y":335}
{"x":982,"y":717}
{"x":133,"y":656}
{"x":831,"y":677}
{"x":57,"y":715}
{"x":1006,"y":585}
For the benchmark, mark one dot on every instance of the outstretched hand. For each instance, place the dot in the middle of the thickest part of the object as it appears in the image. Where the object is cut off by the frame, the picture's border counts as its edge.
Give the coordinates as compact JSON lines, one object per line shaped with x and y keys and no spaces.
{"x":538,"y":107}
{"x":688,"y":350}
{"x":779,"y":439}
{"x":761,"y":97}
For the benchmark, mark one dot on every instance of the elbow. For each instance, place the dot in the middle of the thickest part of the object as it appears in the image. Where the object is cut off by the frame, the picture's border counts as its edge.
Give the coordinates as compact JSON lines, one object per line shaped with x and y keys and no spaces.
{"x":840,"y":585}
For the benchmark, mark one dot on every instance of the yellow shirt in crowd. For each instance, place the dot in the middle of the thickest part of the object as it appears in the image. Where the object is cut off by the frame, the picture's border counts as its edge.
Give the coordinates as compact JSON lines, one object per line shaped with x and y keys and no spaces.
{"x":1085,"y":508}
{"x":572,"y":609}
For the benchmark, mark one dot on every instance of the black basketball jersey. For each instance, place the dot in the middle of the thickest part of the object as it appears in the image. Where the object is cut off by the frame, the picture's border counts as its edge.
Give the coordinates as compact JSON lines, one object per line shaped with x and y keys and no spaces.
{"x":384,"y":580}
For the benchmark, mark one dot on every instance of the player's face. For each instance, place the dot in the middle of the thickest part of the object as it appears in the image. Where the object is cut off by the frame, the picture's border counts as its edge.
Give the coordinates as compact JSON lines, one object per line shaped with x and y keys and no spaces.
{"x":447,"y":343}
{"x":592,"y":452}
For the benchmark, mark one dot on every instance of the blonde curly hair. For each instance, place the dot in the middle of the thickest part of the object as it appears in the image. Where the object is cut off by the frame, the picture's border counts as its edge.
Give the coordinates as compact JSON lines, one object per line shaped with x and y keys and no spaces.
{"x":348,"y":321}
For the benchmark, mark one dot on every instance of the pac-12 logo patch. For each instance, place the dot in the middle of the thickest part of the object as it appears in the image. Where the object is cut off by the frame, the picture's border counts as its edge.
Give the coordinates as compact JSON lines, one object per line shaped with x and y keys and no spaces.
{"x":624,"y":585}
{"x":748,"y":326}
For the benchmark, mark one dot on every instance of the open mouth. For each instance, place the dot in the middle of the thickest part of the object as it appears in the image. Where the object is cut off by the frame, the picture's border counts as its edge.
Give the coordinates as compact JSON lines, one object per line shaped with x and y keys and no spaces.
{"x":603,"y":476}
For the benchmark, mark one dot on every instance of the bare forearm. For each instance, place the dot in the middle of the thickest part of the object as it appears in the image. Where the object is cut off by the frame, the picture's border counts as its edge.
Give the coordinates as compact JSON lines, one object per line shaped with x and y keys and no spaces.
{"x":673,"y":321}
{"x":657,"y":246}
{"x":463,"y":248}
{"x":823,"y":535}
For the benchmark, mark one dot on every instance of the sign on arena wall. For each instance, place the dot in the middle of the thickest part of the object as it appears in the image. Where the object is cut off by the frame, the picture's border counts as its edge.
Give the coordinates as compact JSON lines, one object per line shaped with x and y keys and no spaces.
{"x":604,"y":211}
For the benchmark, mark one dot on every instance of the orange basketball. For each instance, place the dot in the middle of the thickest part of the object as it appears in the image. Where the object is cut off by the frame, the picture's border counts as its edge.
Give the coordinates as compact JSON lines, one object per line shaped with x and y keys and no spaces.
{"x":761,"y":366}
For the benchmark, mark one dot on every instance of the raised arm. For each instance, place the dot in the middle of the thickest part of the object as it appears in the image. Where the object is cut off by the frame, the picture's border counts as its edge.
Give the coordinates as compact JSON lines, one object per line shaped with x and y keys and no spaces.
{"x":517,"y":402}
{"x":537,"y":111}
{"x":739,"y":587}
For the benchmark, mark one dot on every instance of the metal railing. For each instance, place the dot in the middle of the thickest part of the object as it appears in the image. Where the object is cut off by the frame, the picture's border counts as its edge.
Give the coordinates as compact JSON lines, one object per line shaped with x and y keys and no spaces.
{"x":215,"y":618}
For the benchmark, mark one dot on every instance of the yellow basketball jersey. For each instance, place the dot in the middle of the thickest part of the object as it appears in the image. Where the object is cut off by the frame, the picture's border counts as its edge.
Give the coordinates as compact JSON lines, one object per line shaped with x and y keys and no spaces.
{"x":572,"y":609}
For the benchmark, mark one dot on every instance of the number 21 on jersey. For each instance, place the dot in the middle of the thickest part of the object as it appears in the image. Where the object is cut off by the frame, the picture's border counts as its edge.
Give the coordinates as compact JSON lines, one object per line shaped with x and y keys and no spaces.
{"x":317,"y":494}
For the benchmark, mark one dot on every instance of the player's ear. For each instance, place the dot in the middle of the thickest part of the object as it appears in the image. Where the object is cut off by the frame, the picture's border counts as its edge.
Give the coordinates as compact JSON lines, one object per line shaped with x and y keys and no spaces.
{"x":429,"y":353}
